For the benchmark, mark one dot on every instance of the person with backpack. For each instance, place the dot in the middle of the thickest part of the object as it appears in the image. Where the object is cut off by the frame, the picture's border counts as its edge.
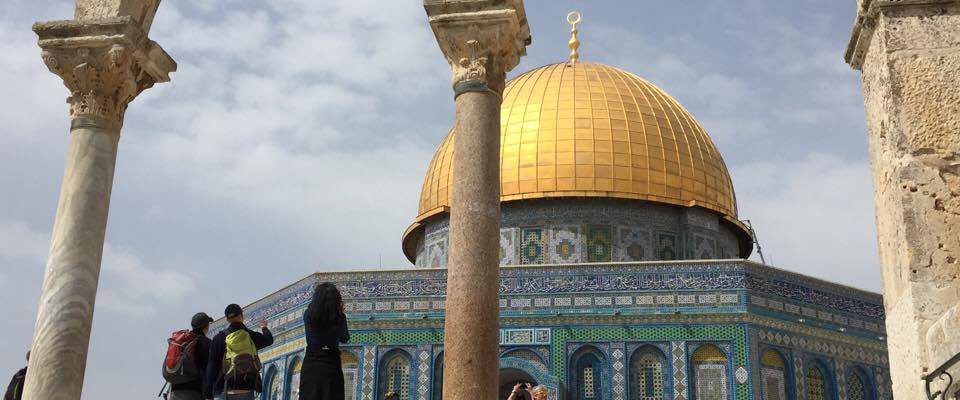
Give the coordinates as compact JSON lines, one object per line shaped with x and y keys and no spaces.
{"x":233,"y":371}
{"x":15,"y":388}
{"x":325,"y":327}
{"x":186,"y":363}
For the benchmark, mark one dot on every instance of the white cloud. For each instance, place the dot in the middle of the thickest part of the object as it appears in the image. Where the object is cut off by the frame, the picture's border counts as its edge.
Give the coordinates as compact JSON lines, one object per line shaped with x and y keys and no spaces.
{"x":814,"y":216}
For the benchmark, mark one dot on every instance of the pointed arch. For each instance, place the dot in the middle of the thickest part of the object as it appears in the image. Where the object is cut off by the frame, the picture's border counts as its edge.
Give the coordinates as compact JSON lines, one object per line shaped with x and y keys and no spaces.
{"x":709,"y":368}
{"x":438,"y":377}
{"x":273,"y":384}
{"x":395,"y":374}
{"x":293,"y":378}
{"x":589,"y":374}
{"x":773,"y":376}
{"x":646,"y":374}
{"x":818,"y":381}
{"x":859,"y":385}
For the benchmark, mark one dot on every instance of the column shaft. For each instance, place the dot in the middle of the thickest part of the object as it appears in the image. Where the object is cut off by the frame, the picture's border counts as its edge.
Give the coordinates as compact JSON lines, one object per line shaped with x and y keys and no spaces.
{"x":471,"y":328}
{"x":58,"y":356}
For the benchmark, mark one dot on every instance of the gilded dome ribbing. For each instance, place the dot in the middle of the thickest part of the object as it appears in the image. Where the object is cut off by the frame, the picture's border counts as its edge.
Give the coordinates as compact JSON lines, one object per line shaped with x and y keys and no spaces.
{"x":591,"y":130}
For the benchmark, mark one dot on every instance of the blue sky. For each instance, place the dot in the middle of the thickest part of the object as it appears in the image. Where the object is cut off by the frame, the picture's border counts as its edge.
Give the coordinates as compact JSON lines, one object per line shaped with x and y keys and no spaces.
{"x":295,"y":135}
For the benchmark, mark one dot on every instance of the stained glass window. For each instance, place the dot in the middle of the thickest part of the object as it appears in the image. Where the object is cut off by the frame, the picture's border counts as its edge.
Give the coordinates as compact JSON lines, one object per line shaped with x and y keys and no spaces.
{"x":709,"y":373}
{"x":773,"y":376}
{"x":646,"y":375}
{"x":588,"y":383}
{"x":398,"y":376}
{"x":295,"y":379}
{"x":816,"y":384}
{"x":589,"y":375}
{"x":856,"y":389}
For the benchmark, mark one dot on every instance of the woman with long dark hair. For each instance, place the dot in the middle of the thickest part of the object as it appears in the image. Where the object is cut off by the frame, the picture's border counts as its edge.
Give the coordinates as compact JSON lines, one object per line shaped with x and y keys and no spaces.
{"x":321,"y":377}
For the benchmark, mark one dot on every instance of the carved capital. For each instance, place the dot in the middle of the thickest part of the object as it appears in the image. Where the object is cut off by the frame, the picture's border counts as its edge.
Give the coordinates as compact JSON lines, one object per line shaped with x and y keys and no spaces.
{"x":104,"y":65}
{"x":481,"y":46}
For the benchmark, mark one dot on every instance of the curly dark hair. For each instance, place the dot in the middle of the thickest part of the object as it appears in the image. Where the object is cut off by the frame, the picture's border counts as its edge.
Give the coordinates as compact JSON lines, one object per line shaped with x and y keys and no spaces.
{"x":326,"y":307}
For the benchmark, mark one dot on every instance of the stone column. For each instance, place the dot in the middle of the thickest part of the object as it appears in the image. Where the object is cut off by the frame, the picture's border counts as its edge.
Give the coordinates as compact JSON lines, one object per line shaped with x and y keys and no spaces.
{"x":481,"y":41}
{"x":105,"y":60}
{"x":909,"y":55}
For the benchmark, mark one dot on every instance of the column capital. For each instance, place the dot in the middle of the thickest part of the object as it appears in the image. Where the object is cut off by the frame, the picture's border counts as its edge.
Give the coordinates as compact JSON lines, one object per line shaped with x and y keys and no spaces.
{"x":104,"y":63}
{"x":481,"y":39}
{"x":866,"y":22}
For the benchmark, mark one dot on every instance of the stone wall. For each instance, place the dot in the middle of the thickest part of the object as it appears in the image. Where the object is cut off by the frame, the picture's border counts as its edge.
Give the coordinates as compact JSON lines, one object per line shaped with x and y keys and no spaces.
{"x":910,"y":58}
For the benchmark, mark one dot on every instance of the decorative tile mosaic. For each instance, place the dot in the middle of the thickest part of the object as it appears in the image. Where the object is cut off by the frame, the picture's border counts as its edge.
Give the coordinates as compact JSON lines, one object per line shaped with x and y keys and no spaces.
{"x":634,"y":244}
{"x":618,"y":367}
{"x":369,"y":366}
{"x":809,"y":344}
{"x":668,"y":246}
{"x":599,"y":243}
{"x":532,"y":246}
{"x":704,"y":247}
{"x":565,"y":246}
{"x":423,"y":371}
{"x":679,"y":354}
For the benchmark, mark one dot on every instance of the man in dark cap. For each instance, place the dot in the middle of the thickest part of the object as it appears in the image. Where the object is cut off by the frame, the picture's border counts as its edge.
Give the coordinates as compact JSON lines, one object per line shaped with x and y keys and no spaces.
{"x":193,"y":390}
{"x":239,"y":383}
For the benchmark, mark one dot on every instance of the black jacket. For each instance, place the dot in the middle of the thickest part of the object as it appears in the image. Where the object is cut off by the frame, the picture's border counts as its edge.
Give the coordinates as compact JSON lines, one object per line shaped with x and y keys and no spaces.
{"x":201,"y":356}
{"x":15,"y":388}
{"x":213,"y":384}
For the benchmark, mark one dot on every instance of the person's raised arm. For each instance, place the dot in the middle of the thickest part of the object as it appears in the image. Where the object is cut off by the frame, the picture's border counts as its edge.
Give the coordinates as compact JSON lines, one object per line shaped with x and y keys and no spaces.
{"x":263,"y":338}
{"x":514,"y":392}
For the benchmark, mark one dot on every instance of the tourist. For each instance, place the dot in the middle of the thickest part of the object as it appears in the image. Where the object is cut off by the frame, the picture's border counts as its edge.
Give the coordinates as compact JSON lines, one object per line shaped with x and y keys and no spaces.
{"x":15,"y":388}
{"x":325,"y":327}
{"x":391,"y":396}
{"x":241,"y":380}
{"x":539,"y":392}
{"x":526,"y":390}
{"x":193,"y":390}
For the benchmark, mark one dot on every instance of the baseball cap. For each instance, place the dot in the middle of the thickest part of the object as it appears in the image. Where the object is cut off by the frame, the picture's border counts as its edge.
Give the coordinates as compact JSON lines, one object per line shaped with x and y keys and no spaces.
{"x":200,"y":320}
{"x":232,"y":310}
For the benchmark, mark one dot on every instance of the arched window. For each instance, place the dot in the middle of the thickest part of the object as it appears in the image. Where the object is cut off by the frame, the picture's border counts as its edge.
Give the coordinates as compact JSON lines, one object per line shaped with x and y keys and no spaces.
{"x":438,"y":378}
{"x":646,"y":374}
{"x":274,"y":385}
{"x":858,"y":387}
{"x":773,"y":373}
{"x":818,"y":383}
{"x":709,"y":365}
{"x":395,"y":374}
{"x":349,"y":363}
{"x":294,"y":379}
{"x":588,"y":374}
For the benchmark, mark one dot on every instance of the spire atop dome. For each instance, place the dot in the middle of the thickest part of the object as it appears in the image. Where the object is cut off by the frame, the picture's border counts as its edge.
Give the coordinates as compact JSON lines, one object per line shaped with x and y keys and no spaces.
{"x":573,"y":18}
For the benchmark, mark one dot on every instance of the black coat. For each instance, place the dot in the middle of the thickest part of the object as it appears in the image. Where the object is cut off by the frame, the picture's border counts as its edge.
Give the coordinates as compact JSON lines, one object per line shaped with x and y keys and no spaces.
{"x":213,"y":384}
{"x":15,"y":388}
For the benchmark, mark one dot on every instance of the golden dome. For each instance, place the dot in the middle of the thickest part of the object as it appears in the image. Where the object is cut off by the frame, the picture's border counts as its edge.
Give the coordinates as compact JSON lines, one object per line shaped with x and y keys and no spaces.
{"x":592,"y":130}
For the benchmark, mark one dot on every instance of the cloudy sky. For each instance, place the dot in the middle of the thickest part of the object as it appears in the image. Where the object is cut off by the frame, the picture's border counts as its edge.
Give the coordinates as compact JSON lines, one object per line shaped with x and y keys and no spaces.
{"x":295,"y":134}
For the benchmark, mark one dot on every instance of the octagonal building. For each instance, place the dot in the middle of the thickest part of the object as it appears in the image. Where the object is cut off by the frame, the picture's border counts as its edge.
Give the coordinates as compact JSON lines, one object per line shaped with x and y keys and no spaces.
{"x":623,"y":270}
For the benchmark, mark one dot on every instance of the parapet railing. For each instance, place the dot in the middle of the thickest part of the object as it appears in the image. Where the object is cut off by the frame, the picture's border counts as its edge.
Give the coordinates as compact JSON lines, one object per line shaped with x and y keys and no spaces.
{"x":940,"y":374}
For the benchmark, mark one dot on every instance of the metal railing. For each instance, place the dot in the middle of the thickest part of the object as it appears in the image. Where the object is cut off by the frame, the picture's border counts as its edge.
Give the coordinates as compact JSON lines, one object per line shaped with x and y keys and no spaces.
{"x":940,"y":374}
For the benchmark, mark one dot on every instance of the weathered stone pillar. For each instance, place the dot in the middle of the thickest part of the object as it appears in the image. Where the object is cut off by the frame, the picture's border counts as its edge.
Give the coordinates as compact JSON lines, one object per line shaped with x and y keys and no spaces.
{"x":105,"y":60}
{"x":909,"y":54}
{"x":481,"y":40}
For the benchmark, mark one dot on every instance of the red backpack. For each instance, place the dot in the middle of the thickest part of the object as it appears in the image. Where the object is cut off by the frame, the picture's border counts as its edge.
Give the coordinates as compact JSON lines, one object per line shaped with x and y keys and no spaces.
{"x":180,"y":365}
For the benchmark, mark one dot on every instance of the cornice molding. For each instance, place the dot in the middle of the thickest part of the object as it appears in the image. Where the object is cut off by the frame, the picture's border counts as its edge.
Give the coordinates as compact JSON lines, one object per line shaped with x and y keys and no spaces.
{"x":866,"y":21}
